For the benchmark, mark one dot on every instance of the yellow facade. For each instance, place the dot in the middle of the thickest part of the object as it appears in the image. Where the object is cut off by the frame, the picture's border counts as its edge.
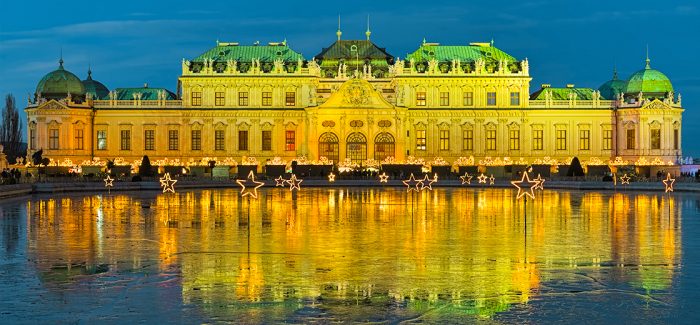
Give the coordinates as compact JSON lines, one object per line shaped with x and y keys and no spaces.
{"x":286,"y":112}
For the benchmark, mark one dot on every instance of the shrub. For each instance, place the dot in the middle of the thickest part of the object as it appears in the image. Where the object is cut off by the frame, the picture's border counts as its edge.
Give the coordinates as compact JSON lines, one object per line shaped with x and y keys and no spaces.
{"x":145,"y":169}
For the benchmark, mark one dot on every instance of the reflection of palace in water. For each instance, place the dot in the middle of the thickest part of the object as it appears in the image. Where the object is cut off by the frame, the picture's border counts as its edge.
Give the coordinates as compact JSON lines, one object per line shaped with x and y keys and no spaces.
{"x":468,"y":251}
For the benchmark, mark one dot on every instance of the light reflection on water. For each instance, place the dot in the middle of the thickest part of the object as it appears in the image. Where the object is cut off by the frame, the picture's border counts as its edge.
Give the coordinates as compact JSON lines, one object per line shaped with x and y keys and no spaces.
{"x":346,"y":254}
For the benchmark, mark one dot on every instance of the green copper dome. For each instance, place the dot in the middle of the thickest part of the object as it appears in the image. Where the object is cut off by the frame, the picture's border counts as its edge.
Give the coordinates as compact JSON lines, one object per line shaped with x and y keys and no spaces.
{"x":612,"y":88}
{"x":648,"y":81}
{"x":95,"y":88}
{"x":59,"y":83}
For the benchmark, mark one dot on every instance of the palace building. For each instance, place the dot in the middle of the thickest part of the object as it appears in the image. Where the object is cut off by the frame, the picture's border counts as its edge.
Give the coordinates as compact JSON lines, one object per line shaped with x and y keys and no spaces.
{"x":356,"y":101}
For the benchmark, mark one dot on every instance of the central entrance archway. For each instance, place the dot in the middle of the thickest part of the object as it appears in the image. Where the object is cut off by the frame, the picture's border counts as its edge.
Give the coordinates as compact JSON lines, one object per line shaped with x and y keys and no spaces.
{"x":384,"y":145}
{"x":356,"y":147}
{"x":328,"y":147}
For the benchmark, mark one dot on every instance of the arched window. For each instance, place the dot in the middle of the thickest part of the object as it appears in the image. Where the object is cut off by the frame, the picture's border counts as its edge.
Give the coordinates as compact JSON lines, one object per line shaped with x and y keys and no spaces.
{"x":357,"y":147}
{"x":328,"y":146}
{"x":383,"y":146}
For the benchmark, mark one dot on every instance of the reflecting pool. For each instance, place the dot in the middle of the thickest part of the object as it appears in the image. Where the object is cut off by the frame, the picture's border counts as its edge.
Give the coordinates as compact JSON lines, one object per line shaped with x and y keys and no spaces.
{"x":352,"y":254}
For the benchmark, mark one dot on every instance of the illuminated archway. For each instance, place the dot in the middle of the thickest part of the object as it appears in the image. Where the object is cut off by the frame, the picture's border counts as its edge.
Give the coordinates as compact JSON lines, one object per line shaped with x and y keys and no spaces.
{"x":384,"y":146}
{"x":356,"y":147}
{"x":328,"y":146}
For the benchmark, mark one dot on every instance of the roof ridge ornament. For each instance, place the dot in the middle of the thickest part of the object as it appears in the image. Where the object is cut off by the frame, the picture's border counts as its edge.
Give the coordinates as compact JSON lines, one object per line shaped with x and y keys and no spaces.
{"x":368,"y":32}
{"x":338,"y":32}
{"x":648,"y":66}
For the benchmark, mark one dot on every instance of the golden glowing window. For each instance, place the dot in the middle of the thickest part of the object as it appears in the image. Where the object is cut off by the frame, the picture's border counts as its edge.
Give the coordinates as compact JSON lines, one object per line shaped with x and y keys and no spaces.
{"x":266,"y":140}
{"x":468,"y":140}
{"x":491,"y":98}
{"x":125,"y":140}
{"x":266,"y":98}
{"x":196,"y":98}
{"x":79,"y":138}
{"x":444,"y":98}
{"x":242,"y":140}
{"x":561,"y":139}
{"x":515,"y":98}
{"x":420,"y":98}
{"x":584,"y":141}
{"x":537,"y":139}
{"x":32,"y":139}
{"x":631,"y":139}
{"x":196,"y":139}
{"x":290,"y":99}
{"x":468,"y":99}
{"x":607,"y":139}
{"x":53,"y":139}
{"x":444,"y":140}
{"x":242,"y":98}
{"x":420,"y":140}
{"x":490,"y":139}
{"x":219,"y":140}
{"x":173,"y":140}
{"x":219,"y":99}
{"x":290,"y":140}
{"x":656,"y":139}
{"x":149,"y":140}
{"x":514,"y":143}
{"x":102,"y":140}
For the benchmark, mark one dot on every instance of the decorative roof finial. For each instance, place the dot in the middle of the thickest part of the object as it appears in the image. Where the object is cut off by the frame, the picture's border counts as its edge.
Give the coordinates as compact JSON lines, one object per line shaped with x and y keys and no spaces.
{"x":648,"y":61}
{"x":60,"y":61}
{"x":614,"y":72}
{"x":89,"y":77}
{"x":424,"y":41}
{"x":368,"y":32}
{"x":491,"y":41}
{"x":338,"y":33}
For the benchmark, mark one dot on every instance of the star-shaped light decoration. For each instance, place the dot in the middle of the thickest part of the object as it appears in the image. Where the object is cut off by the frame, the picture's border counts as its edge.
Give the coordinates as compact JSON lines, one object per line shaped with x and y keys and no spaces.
{"x":521,"y":191}
{"x":168,"y":183}
{"x":109,"y":181}
{"x":280,"y":182}
{"x":482,"y":178}
{"x":331,"y":177}
{"x":249,"y":186}
{"x":383,"y":177}
{"x":412,"y":184}
{"x":466,"y":178}
{"x":668,"y":182}
{"x":540,"y":182}
{"x":294,"y":183}
{"x":492,"y":180}
{"x":625,"y":179}
{"x":427,"y":182}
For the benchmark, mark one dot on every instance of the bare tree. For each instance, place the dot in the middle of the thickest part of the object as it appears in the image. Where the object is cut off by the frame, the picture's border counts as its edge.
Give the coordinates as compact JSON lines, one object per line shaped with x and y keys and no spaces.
{"x":11,"y":130}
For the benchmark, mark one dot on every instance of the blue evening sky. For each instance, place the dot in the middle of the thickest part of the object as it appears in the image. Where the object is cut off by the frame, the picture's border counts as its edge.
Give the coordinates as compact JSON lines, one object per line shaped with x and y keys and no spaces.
{"x":132,"y":42}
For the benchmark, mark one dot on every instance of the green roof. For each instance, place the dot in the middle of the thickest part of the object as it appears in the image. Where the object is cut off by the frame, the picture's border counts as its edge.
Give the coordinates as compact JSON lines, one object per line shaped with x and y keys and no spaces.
{"x":648,"y":81}
{"x":223,"y":52}
{"x":58,"y":83}
{"x":465,"y":53}
{"x":351,"y":50}
{"x":563,"y":93}
{"x":95,"y":88}
{"x":146,"y":93}
{"x":612,"y":88}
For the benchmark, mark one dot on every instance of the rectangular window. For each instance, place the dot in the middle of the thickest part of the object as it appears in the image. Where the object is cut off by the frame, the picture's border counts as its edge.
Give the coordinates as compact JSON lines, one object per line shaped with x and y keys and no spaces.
{"x":125,"y":140}
{"x":79,"y":139}
{"x":468,"y":98}
{"x":420,"y":140}
{"x":537,"y":139}
{"x":32,"y":139}
{"x":444,"y":98}
{"x":656,"y":139}
{"x":584,"y":141}
{"x":607,"y":139}
{"x":514,"y":143}
{"x":196,"y":139}
{"x":219,"y":99}
{"x":219,"y":143}
{"x":468,"y":140}
{"x":631,"y":139}
{"x":290,"y":141}
{"x":102,"y":140}
{"x":149,"y":140}
{"x":196,"y":98}
{"x":53,"y":139}
{"x":290,"y":99}
{"x":242,"y":140}
{"x":675,"y":139}
{"x":420,"y":98}
{"x":266,"y":140}
{"x":561,"y":139}
{"x":444,"y":139}
{"x":490,"y":139}
{"x":173,"y":140}
{"x":267,"y":98}
{"x":491,"y":98}
{"x":242,"y":98}
{"x":515,"y":98}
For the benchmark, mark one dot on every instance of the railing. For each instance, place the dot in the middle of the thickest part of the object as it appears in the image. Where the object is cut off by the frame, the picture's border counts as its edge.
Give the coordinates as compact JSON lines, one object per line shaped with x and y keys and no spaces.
{"x":137,"y":103}
{"x":571,"y":103}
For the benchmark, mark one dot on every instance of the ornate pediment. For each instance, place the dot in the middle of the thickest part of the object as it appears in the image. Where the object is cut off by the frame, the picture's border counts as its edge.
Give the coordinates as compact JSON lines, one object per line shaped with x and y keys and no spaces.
{"x":52,"y":104}
{"x":356,"y":93}
{"x":656,"y":104}
{"x":655,"y":124}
